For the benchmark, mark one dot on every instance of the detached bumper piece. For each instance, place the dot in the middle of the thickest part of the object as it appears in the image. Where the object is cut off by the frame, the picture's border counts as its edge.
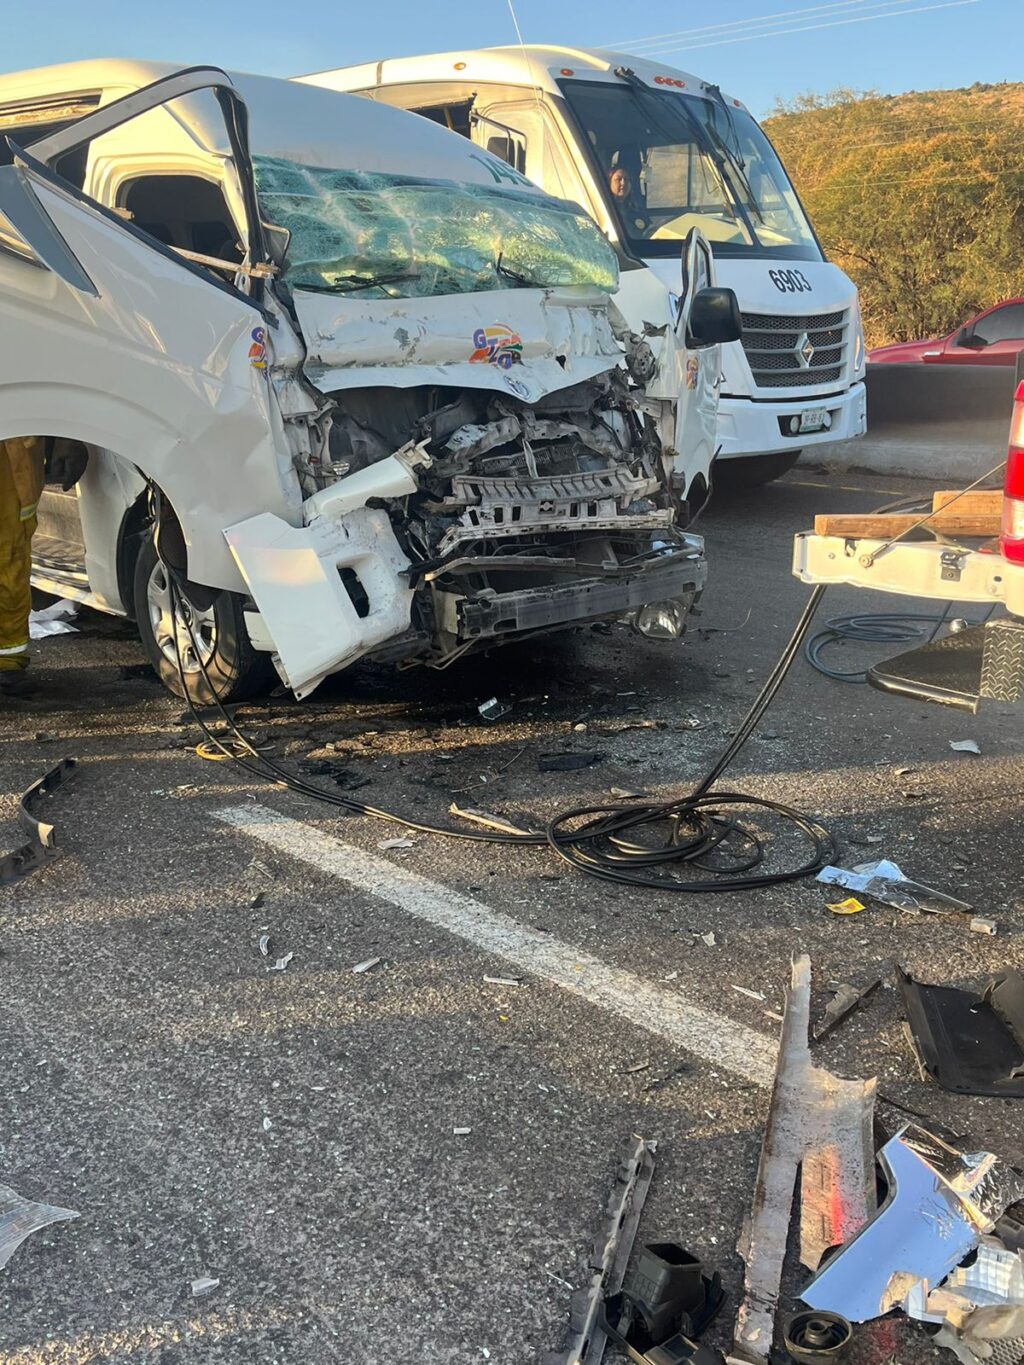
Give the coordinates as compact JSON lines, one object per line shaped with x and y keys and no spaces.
{"x":672,"y":575}
{"x":41,"y":847}
{"x":982,"y":662}
{"x":970,"y":1044}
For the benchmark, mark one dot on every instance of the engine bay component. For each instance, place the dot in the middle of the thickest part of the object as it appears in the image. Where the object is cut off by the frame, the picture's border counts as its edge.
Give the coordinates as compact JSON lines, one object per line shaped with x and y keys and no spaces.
{"x":666,"y":1302}
{"x":817,"y":1338}
{"x":41,"y":846}
{"x":939,"y":1205}
{"x":968,"y":1043}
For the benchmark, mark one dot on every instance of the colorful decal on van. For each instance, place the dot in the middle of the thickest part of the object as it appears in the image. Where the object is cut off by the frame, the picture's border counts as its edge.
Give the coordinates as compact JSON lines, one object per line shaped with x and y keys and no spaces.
{"x":497,"y":345}
{"x":258,"y":349}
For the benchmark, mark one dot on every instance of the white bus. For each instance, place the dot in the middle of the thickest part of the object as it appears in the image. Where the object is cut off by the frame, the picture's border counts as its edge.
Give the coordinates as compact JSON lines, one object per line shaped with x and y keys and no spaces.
{"x":652,"y":152}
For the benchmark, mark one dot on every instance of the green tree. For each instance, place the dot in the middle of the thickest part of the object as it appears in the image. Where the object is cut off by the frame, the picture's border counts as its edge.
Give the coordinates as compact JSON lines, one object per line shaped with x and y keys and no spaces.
{"x":920,"y":198}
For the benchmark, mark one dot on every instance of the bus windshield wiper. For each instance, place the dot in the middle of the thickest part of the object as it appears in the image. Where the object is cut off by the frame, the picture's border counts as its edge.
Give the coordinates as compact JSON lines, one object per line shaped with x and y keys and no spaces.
{"x":734,"y":153}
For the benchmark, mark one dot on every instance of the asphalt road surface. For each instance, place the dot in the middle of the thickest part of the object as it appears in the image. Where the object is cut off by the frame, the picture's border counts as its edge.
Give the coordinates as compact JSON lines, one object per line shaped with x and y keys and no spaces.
{"x":409,"y":1163}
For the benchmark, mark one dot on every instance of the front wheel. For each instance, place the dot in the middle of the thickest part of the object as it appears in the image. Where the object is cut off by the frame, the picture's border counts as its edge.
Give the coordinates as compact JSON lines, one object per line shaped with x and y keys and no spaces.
{"x":217,"y":659}
{"x":751,"y":471}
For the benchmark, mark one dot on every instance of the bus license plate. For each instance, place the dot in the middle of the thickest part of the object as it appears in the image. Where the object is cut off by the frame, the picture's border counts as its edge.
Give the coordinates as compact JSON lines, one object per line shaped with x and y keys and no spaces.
{"x":813,"y":419}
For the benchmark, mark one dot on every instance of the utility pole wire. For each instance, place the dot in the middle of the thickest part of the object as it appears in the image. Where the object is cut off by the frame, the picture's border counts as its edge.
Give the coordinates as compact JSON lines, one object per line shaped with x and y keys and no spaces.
{"x":806,"y":28}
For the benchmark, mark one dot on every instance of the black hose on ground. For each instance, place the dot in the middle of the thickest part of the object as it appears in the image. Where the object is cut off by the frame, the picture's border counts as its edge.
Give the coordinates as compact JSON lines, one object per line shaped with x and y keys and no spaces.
{"x":637,"y":844}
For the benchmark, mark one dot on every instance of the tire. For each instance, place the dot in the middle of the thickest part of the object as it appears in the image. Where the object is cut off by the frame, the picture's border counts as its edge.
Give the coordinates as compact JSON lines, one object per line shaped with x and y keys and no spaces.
{"x":751,"y":471}
{"x":235,"y":670}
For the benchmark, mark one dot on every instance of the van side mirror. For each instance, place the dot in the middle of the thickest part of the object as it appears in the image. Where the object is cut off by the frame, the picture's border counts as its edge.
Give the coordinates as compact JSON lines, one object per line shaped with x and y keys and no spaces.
{"x":715,"y":318}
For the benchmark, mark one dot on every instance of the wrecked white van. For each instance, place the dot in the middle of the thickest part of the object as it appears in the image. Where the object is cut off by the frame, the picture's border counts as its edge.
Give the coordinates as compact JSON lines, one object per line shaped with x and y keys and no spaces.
{"x":355,"y":384}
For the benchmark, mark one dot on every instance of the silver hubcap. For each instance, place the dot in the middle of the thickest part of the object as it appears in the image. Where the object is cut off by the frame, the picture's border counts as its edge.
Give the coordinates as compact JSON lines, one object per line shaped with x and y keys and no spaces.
{"x":171,"y":629}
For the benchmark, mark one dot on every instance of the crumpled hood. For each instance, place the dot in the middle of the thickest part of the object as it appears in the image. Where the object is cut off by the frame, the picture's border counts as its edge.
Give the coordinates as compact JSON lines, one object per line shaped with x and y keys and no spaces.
{"x":526,"y":342}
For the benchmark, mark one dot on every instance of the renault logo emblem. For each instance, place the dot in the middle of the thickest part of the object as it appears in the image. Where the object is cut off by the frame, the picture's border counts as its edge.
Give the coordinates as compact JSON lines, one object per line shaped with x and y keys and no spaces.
{"x":805,"y":350}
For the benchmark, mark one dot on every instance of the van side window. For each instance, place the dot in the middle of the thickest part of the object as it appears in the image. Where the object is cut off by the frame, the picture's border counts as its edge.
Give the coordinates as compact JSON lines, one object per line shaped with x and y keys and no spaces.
{"x":183,"y":211}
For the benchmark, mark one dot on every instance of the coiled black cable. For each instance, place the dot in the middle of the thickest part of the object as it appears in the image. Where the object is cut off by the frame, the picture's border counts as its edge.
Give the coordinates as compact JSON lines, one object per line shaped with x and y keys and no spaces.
{"x":642,"y":845}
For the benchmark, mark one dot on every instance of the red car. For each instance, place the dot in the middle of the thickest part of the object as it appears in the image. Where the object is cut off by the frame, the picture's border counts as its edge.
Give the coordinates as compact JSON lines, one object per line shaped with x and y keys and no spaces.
{"x":995,"y":337}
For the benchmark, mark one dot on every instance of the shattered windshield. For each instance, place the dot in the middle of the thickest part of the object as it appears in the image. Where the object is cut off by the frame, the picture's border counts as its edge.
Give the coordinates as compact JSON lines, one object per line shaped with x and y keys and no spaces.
{"x":669,"y":162}
{"x":378,"y":235}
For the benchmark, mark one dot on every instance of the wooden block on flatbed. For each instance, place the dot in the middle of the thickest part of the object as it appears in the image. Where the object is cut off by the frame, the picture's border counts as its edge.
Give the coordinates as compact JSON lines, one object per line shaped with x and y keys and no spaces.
{"x":984,"y":500}
{"x":885,"y":525}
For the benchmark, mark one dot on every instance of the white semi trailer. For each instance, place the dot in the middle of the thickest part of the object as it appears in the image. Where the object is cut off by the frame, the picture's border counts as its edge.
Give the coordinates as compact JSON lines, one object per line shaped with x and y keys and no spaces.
{"x":652,"y":152}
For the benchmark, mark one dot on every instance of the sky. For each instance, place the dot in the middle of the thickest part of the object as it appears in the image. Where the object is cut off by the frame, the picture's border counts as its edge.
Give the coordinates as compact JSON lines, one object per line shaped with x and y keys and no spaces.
{"x":757,"y":50}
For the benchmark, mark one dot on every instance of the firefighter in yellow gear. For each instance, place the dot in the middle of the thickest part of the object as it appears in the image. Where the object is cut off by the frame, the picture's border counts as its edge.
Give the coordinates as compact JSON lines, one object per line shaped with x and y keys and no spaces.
{"x":25,"y":464}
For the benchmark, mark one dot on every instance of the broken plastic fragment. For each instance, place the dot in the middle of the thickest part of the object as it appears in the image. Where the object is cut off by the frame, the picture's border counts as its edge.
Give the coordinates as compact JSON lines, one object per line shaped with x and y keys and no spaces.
{"x":964,"y":746}
{"x":264,"y":945}
{"x":20,"y":1217}
{"x":980,"y":925}
{"x":884,"y":881}
{"x":367,"y":966}
{"x":281,"y":963}
{"x":850,"y":906}
{"x":494,"y":709}
{"x":709,"y":939}
{"x":754,"y":995}
{"x":395,"y":843}
{"x":461,"y":1132}
{"x":204,"y":1285}
{"x":503,"y":981}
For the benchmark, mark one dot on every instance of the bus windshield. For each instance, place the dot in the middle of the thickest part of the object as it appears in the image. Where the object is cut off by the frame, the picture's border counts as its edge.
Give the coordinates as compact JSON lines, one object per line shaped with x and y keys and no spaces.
{"x":667,"y":162}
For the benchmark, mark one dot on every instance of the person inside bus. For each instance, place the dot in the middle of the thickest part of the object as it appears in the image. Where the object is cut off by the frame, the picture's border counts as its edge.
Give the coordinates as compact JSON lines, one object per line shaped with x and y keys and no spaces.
{"x":620,"y":182}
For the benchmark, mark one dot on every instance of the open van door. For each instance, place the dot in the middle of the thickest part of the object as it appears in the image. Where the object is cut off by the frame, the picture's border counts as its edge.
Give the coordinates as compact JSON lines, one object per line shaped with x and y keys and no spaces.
{"x":698,"y":367}
{"x":109,"y":337}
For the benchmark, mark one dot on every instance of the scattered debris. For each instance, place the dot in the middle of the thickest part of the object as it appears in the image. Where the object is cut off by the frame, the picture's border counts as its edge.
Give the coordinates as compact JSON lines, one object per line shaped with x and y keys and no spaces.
{"x":494,"y":709}
{"x":461,"y":1132}
{"x":940,"y":1204}
{"x":822,"y":1126}
{"x":844,"y":1002}
{"x":623,"y":794}
{"x":20,"y":1217}
{"x":566,"y":763}
{"x":708,"y":939}
{"x":41,"y":846}
{"x":485,"y":818}
{"x":864,"y":838}
{"x":264,"y":945}
{"x":964,"y":746}
{"x":659,"y":1082}
{"x":817,"y":1338}
{"x":884,"y":881}
{"x":970,"y":1044}
{"x":609,"y":1257}
{"x":53,"y":620}
{"x":850,"y":906}
{"x":281,"y":964}
{"x":980,"y":925}
{"x":257,"y":901}
{"x":204,"y":1285}
{"x":267,"y":1125}
{"x":753,"y":995}
{"x":368,"y":965}
{"x":263,"y":869}
{"x":639,"y":1066}
{"x":395,"y":843}
{"x":503,"y":980}
{"x":666,"y":1302}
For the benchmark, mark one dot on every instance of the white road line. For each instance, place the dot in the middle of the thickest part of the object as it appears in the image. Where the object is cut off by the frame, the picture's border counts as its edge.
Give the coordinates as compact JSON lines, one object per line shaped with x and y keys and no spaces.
{"x":708,"y":1035}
